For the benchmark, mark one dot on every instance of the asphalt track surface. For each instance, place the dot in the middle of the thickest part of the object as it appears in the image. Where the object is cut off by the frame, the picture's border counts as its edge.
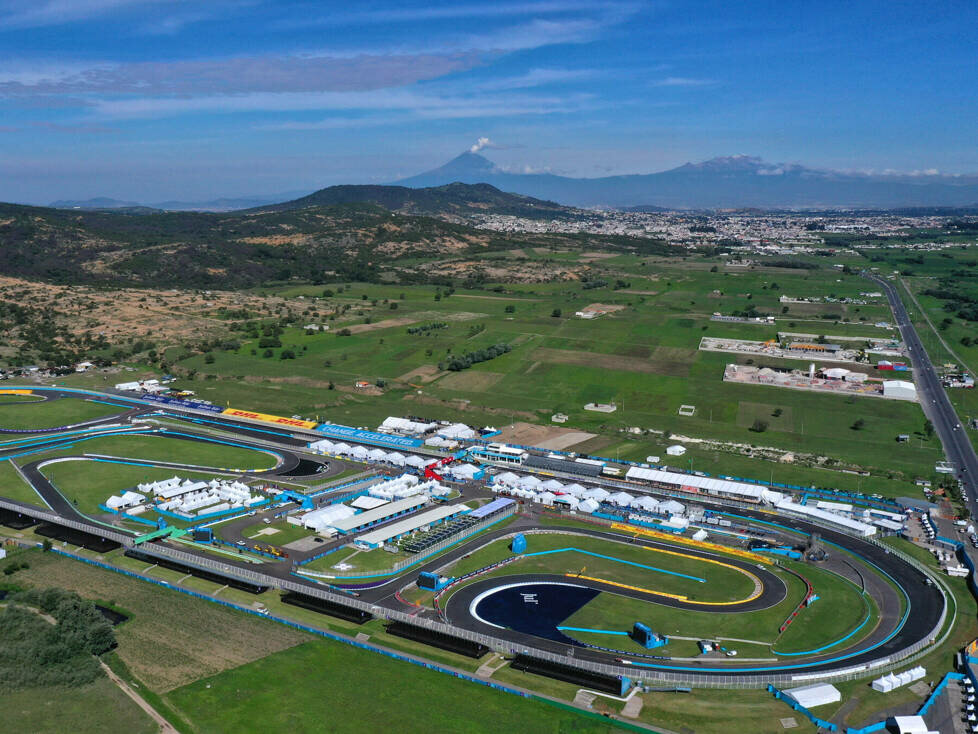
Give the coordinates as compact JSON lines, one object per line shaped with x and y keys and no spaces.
{"x":957,"y":446}
{"x":896,"y":631}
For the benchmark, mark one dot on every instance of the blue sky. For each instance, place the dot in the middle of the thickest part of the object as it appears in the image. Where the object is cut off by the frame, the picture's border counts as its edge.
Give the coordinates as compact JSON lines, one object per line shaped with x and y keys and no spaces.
{"x":151,"y":100}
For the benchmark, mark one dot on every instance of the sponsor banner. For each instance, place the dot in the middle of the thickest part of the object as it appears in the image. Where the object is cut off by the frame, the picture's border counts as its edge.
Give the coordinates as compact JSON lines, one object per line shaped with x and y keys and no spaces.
{"x":265,"y":418}
{"x":361,"y":436}
{"x":15,"y":392}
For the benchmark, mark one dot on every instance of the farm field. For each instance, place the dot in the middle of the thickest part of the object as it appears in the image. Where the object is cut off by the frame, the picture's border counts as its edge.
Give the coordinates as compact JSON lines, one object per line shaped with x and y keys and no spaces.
{"x":643,"y":357}
{"x":27,"y":413}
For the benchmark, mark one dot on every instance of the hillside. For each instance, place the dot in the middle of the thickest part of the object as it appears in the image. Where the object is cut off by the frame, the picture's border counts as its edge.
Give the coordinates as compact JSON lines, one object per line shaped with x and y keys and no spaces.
{"x":204,"y":250}
{"x":452,"y":199}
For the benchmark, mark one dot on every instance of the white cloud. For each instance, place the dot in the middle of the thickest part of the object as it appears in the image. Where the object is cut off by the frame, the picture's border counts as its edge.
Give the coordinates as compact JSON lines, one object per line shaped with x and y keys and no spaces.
{"x":20,"y":14}
{"x":479,"y":145}
{"x":683,"y":81}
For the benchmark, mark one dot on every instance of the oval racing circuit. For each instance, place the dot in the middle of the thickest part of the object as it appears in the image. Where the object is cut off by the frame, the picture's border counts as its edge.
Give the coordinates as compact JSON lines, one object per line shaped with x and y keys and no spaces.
{"x":909,"y":610}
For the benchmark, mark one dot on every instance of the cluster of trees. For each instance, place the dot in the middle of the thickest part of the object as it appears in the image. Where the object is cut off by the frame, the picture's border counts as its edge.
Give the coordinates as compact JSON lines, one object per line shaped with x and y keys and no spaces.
{"x":36,"y":653}
{"x":963,"y":305}
{"x":425,"y":328}
{"x":464,"y":361}
{"x":792,"y":264}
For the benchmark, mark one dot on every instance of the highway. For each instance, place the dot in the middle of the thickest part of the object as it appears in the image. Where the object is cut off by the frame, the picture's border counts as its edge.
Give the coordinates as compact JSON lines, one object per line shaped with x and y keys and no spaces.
{"x":937,"y":407}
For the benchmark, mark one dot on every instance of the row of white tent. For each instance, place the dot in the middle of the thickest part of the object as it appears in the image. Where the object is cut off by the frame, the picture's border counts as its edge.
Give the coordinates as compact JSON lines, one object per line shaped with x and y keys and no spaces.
{"x":578,"y":497}
{"x":406,"y":427}
{"x":362,"y":453}
{"x":888,"y":682}
{"x":462,"y":472}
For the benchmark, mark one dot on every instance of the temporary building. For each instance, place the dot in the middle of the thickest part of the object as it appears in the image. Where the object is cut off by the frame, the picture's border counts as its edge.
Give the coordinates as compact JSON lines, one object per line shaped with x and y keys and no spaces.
{"x":622,"y":499}
{"x":546,"y":498}
{"x":324,"y":517}
{"x":908,"y":724}
{"x":507,"y":478}
{"x":587,"y":506}
{"x":676,"y":450}
{"x":341,"y":448}
{"x":671,"y":507}
{"x":377,"y":455}
{"x":900,"y":389}
{"x":675,"y":522}
{"x":566,"y":499}
{"x":458,"y":431}
{"x":596,"y":493}
{"x":886,"y":683}
{"x":529,"y":482}
{"x":812,"y":696}
{"x":552,"y":485}
{"x":322,"y":447}
{"x":416,"y":461}
{"x":646,"y":503}
{"x":836,"y":373}
{"x":464,"y":471}
{"x":700,"y":535}
{"x":396,"y":458}
{"x":857,"y":377}
{"x":575,"y":490}
{"x":126,"y":499}
{"x":439,"y":443}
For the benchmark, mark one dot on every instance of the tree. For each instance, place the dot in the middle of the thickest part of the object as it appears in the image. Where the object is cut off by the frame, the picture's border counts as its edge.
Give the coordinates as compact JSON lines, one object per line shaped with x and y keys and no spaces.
{"x":759,"y":426}
{"x":510,"y":309}
{"x":209,"y":358}
{"x":393,"y":305}
{"x":287,"y":354}
{"x":267,"y":353}
{"x":556,"y":313}
{"x":46,"y":545}
{"x":928,"y":428}
{"x":858,"y":424}
{"x":777,"y":412}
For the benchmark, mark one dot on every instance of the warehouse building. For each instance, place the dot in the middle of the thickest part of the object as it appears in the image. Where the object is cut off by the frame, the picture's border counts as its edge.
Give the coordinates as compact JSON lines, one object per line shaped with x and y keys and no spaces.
{"x":900,"y":389}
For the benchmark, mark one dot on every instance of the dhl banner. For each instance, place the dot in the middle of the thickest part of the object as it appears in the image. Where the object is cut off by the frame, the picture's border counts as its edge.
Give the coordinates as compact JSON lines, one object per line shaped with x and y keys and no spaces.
{"x":15,"y":392}
{"x":265,"y":418}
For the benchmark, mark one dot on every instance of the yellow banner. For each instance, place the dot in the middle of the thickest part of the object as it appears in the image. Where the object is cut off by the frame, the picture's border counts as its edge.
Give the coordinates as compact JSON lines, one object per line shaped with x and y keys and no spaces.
{"x":265,"y":418}
{"x":15,"y":392}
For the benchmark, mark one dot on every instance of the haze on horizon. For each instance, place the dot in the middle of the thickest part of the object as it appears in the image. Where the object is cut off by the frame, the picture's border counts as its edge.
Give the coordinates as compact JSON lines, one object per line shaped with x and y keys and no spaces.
{"x":149,"y":100}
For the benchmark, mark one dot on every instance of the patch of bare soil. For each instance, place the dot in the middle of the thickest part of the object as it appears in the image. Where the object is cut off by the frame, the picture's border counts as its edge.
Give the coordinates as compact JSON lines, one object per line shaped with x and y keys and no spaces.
{"x":546,"y":437}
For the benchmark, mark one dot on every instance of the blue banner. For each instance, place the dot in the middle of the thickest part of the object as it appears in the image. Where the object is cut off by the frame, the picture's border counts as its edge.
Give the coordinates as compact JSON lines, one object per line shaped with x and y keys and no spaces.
{"x":361,"y":436}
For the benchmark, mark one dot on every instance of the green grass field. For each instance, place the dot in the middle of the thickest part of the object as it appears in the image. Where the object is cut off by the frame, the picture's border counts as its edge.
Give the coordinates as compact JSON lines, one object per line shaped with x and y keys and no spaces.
{"x":323,"y":686}
{"x":14,"y":488}
{"x":51,"y":414}
{"x":162,"y":448}
{"x":285,"y":532}
{"x":97,"y":708}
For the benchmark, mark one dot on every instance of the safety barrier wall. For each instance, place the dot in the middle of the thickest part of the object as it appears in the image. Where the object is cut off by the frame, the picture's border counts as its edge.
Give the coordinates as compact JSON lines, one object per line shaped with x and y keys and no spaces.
{"x":678,"y":677}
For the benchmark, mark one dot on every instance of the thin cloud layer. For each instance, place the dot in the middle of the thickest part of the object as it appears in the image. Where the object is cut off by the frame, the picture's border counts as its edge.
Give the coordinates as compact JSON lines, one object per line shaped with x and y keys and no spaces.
{"x":247,"y":74}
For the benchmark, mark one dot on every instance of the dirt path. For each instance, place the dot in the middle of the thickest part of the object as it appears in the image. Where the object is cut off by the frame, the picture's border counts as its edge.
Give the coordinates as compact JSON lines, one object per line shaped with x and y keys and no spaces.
{"x":165,"y":726}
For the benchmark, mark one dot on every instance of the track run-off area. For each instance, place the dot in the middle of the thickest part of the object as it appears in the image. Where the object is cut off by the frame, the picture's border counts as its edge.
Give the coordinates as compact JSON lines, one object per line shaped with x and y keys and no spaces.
{"x":573,"y":594}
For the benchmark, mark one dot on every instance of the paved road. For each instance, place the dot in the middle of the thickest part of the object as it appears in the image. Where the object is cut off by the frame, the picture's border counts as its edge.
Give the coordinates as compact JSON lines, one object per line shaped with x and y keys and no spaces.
{"x":957,"y":446}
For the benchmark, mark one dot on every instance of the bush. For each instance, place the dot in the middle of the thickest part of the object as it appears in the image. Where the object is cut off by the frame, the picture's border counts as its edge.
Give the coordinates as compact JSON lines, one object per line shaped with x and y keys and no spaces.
{"x":555,"y":313}
{"x":759,"y":426}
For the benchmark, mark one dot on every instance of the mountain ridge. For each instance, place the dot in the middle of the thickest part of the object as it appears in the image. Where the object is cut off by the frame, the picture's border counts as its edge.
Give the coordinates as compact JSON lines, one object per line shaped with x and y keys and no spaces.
{"x":738,"y":181}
